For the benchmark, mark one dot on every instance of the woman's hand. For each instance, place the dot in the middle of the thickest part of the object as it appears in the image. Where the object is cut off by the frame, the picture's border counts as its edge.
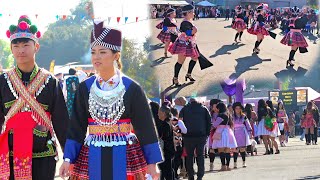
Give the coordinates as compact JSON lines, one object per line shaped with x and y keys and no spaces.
{"x":153,"y":171}
{"x":64,"y":170}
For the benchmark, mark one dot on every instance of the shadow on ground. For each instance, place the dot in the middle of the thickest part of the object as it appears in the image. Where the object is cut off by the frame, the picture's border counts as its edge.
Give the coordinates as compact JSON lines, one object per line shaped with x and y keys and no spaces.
{"x":245,"y":64}
{"x":225,"y":49}
{"x":172,"y":91}
{"x":309,"y":177}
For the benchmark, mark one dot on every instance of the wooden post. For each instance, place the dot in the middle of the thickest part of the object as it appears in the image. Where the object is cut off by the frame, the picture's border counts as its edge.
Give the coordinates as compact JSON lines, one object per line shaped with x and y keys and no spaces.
{"x":230,"y":100}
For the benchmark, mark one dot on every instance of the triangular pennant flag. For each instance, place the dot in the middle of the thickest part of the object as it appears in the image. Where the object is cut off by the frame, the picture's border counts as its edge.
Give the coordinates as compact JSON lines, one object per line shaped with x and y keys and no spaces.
{"x":57,"y":16}
{"x":125,"y":19}
{"x":118,"y":19}
{"x":36,"y":16}
{"x":73,"y":17}
{"x":64,"y":17}
{"x":109,"y":19}
{"x":137,"y":19}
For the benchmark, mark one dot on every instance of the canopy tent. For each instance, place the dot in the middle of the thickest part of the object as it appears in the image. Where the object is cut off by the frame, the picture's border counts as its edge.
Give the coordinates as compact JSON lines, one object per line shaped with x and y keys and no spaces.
{"x":175,"y":3}
{"x":206,"y":4}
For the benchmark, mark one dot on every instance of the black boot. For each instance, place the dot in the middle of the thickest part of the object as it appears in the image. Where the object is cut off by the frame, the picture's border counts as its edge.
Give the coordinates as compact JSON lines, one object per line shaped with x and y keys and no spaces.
{"x":271,"y":151}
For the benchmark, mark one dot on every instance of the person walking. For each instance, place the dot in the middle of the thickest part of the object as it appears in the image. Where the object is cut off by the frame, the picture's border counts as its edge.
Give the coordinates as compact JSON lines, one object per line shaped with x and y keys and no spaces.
{"x":197,"y":120}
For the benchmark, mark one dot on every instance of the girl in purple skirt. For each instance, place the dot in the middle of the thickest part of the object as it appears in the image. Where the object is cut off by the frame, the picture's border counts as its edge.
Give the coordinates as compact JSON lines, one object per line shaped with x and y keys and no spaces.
{"x":242,"y":131}
{"x":185,"y":45}
{"x":223,"y":137}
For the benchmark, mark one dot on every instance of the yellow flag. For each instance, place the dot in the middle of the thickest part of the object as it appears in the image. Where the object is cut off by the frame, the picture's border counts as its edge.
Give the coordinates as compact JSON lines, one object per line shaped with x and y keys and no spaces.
{"x":52,"y":67}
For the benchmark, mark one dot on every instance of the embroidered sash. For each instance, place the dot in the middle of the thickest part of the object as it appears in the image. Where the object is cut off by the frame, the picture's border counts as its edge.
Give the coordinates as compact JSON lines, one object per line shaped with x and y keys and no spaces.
{"x":22,"y":124}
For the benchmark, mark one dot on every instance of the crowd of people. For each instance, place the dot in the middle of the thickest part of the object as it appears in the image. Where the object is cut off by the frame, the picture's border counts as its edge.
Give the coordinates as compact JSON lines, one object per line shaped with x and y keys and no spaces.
{"x":192,"y":131}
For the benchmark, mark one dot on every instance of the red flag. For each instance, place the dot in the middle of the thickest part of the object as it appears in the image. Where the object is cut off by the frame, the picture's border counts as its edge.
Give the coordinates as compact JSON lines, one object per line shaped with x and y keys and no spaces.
{"x":64,"y":17}
{"x":136,"y":19}
{"x":118,"y":19}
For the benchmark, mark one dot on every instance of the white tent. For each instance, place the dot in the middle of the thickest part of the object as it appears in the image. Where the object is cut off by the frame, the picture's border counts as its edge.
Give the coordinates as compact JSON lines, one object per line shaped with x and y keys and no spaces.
{"x":160,"y":2}
{"x":205,"y":3}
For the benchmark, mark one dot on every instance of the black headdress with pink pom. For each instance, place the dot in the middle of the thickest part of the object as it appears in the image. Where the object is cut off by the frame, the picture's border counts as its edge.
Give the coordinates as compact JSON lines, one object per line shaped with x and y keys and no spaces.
{"x":24,"y":29}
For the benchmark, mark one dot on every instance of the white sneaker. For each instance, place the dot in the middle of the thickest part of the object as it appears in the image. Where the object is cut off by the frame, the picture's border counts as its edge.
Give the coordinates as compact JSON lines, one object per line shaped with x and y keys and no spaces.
{"x":211,"y":166}
{"x":244,"y":164}
{"x":235,"y":165}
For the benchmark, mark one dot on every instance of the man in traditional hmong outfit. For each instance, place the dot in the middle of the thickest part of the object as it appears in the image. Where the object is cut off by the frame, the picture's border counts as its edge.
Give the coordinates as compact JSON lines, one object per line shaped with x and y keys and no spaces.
{"x":121,"y":142}
{"x":33,"y":113}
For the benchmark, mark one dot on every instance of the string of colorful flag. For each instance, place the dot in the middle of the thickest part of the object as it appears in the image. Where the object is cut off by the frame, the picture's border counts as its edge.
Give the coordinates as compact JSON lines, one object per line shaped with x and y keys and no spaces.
{"x":65,"y":17}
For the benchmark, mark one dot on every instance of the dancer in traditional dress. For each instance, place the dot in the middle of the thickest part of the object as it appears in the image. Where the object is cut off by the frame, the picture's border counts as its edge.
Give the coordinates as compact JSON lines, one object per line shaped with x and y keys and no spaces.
{"x":169,"y":31}
{"x":33,"y":111}
{"x":223,"y":137}
{"x":294,"y":37}
{"x":122,"y":142}
{"x":242,"y":132}
{"x":214,"y":115}
{"x":276,"y":131}
{"x":185,"y":46}
{"x":282,"y":120}
{"x":239,"y":25}
{"x":258,"y":28}
{"x":267,"y":126}
{"x":308,"y":122}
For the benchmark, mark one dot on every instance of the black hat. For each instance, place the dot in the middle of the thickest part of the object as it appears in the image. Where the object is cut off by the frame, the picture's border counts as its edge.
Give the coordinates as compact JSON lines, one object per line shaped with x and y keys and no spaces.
{"x":214,"y":101}
{"x":260,"y":7}
{"x":238,"y":8}
{"x":295,"y":10}
{"x":106,"y":37}
{"x":170,"y":11}
{"x":236,"y":104}
{"x":187,"y":8}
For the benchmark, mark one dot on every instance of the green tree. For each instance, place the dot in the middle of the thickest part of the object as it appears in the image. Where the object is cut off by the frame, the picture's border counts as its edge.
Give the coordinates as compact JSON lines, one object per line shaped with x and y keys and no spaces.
{"x":69,"y":40}
{"x":6,"y":58}
{"x":66,"y":40}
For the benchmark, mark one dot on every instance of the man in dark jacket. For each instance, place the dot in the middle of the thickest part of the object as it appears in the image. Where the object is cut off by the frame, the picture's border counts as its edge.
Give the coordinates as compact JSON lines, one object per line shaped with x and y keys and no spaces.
{"x":197,"y":120}
{"x":227,"y":14}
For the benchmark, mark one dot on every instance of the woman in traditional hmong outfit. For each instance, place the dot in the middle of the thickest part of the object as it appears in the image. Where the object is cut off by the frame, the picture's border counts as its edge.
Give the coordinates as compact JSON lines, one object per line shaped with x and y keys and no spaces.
{"x":252,"y":117}
{"x":214,"y":116}
{"x":294,"y":37}
{"x":267,"y":126}
{"x":185,"y":45}
{"x":282,"y":120}
{"x":258,"y":28}
{"x":122,"y":141}
{"x":239,"y":25}
{"x":308,"y":122}
{"x":276,"y":132}
{"x":169,"y":31}
{"x":242,"y":132}
{"x":223,"y":137}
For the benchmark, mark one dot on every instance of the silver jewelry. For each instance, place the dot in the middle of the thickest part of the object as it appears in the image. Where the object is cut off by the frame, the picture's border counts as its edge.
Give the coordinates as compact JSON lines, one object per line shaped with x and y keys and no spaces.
{"x":106,"y":107}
